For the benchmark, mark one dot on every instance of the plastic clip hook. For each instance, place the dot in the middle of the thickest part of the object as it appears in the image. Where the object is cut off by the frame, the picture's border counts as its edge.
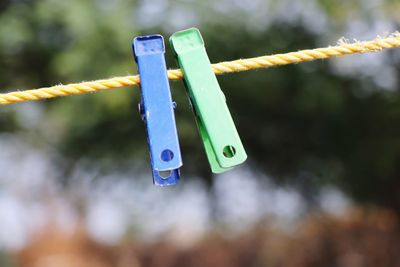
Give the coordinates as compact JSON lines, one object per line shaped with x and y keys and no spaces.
{"x":221,"y":140}
{"x":157,"y":109}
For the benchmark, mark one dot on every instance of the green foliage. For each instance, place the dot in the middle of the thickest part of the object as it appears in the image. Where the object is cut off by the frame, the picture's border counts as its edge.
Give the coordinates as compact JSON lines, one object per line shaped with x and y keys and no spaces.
{"x":302,"y":124}
{"x":6,"y":260}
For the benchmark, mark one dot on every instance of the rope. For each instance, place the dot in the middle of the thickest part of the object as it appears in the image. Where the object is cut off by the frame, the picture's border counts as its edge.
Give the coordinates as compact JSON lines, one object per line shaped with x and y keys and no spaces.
{"x":341,"y":49}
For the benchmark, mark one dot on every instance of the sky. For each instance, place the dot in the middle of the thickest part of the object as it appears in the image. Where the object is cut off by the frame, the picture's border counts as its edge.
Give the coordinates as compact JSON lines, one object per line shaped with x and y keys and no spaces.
{"x":31,"y":198}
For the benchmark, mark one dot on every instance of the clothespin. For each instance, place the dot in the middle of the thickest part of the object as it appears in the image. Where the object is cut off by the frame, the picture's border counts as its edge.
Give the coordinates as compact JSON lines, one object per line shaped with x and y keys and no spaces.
{"x":157,"y":109}
{"x":221,"y":140}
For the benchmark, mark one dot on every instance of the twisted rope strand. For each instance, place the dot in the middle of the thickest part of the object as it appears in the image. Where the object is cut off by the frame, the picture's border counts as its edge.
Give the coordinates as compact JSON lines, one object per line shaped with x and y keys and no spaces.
{"x":343,"y":48}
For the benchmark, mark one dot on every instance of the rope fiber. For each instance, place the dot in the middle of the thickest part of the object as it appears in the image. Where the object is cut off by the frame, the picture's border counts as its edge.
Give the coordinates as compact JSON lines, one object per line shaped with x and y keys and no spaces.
{"x":341,"y":49}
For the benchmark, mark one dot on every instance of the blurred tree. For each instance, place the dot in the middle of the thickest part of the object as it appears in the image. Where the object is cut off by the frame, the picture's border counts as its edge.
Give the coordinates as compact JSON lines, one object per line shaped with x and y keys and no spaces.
{"x":6,"y":260}
{"x":306,"y":124}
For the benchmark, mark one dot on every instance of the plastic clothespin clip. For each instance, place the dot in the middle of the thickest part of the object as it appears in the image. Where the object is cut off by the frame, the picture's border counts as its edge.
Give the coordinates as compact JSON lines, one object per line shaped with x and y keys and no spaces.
{"x":157,"y":109}
{"x":221,"y":140}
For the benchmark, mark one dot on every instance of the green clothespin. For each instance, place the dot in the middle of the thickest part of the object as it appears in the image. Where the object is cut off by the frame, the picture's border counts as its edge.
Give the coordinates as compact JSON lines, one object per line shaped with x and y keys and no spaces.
{"x":217,"y":129}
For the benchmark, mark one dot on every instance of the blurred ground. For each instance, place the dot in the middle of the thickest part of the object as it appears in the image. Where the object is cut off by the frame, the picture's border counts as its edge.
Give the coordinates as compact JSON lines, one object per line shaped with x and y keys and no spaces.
{"x":362,"y":237}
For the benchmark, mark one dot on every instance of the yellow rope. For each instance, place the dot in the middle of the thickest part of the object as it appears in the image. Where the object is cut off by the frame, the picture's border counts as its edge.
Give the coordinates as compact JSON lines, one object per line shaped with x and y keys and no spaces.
{"x":341,"y":49}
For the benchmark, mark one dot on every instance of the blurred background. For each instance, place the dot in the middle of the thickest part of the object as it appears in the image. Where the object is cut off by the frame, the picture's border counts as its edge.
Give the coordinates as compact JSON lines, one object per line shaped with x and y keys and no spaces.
{"x":321,"y":185}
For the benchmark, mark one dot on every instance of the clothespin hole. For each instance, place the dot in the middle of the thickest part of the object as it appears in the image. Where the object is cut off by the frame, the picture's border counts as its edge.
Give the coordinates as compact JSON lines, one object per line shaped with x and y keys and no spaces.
{"x":229,"y":151}
{"x":167,"y":155}
{"x":165,"y":174}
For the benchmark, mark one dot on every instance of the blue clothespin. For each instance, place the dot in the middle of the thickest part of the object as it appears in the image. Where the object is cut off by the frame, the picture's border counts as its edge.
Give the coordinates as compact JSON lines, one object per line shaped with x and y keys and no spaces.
{"x":157,"y":109}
